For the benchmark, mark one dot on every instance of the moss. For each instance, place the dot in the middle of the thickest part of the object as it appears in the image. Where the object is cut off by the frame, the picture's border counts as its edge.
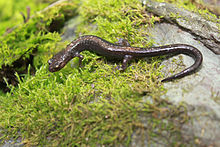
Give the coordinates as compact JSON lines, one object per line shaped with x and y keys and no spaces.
{"x":10,"y":12}
{"x":112,"y":20}
{"x":88,"y":105}
{"x":36,"y":38}
{"x":96,"y":104}
{"x":32,"y":35}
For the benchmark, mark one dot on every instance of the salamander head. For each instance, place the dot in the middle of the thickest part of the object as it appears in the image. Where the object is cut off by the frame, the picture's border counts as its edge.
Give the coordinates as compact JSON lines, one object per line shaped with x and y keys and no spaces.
{"x":58,"y":61}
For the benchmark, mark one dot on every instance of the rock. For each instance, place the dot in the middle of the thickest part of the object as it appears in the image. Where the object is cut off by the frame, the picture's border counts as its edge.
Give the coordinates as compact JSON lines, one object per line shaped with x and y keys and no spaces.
{"x":201,"y":90}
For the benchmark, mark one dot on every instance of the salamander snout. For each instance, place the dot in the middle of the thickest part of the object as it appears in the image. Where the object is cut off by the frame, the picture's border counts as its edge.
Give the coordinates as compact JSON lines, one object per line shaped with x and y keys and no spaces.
{"x":58,"y":61}
{"x":55,"y":65}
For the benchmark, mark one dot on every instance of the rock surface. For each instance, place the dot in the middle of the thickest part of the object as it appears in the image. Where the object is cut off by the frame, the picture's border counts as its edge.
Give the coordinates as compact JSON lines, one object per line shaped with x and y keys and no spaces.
{"x":201,"y":91}
{"x":205,"y":30}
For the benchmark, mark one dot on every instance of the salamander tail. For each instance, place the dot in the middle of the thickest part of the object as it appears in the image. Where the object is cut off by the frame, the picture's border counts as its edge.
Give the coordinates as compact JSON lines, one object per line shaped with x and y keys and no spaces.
{"x":193,"y":52}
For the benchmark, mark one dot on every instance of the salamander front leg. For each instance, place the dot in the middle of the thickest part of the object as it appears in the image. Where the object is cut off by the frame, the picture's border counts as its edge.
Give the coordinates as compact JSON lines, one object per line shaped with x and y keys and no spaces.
{"x":80,"y":58}
{"x":125,"y":62}
{"x":126,"y":59}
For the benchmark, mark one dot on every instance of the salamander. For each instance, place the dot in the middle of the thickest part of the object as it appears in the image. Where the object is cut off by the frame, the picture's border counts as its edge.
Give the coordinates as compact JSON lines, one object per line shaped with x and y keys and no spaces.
{"x":123,"y":52}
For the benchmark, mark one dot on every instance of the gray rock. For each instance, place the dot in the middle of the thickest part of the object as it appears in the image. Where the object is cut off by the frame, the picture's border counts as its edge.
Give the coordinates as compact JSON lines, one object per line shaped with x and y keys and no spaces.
{"x":201,"y":90}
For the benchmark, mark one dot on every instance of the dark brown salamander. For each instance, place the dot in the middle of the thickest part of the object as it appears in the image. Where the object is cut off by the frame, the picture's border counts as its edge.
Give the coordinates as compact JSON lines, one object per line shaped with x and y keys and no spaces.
{"x":125,"y":53}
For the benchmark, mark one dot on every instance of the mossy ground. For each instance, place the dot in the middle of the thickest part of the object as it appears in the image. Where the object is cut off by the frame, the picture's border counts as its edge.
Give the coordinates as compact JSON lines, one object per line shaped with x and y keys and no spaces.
{"x":10,"y":11}
{"x":93,"y":105}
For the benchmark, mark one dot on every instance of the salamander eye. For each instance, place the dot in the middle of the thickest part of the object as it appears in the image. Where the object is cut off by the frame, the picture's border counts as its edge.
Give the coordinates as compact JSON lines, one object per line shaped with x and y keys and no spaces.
{"x":50,"y":61}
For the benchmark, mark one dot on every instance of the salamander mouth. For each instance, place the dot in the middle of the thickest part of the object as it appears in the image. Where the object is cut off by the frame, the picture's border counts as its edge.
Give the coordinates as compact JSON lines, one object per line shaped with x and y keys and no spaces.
{"x":53,"y":68}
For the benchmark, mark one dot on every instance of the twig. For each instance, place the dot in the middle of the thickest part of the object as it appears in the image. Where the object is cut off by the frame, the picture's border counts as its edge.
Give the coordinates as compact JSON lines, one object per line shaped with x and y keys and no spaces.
{"x":28,"y":14}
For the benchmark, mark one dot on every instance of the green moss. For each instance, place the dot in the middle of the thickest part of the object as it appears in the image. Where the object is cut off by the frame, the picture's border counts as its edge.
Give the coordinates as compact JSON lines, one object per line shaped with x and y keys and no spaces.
{"x":34,"y":35}
{"x":112,"y":19}
{"x":10,"y":12}
{"x":85,"y":107}
{"x":95,"y":105}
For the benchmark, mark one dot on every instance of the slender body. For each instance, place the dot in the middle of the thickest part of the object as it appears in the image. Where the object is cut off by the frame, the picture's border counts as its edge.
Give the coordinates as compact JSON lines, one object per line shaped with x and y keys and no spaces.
{"x":122,"y":52}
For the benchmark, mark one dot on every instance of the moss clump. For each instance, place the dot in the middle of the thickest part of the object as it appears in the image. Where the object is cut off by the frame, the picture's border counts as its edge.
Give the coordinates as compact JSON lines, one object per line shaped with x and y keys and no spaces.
{"x":112,"y":19}
{"x":37,"y":38}
{"x":87,"y":107}
{"x":36,"y":34}
{"x":10,"y":12}
{"x":95,"y":105}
